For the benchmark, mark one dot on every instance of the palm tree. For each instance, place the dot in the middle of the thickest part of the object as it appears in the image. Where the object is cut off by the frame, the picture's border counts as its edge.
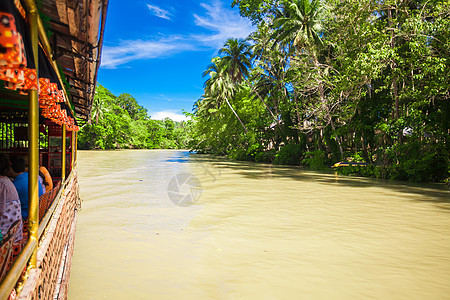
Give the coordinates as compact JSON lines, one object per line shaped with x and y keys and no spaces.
{"x":299,"y":26}
{"x":220,"y":86}
{"x":236,"y":63}
{"x":236,"y":59}
{"x":97,"y":109}
{"x":268,"y":77}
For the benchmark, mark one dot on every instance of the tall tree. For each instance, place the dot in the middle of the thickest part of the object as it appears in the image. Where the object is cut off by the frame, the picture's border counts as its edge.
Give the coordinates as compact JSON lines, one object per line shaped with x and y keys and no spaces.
{"x":220,"y":86}
{"x":298,"y":26}
{"x":257,"y":10}
{"x":129,"y":103}
{"x":236,"y":59}
{"x":97,"y":109}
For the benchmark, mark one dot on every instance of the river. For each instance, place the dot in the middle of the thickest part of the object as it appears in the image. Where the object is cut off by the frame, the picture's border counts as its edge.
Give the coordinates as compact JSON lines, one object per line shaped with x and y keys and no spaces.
{"x":238,"y":230}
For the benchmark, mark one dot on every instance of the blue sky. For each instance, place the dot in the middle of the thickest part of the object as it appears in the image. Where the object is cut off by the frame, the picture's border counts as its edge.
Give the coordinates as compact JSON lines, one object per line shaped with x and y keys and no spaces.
{"x":156,"y":50}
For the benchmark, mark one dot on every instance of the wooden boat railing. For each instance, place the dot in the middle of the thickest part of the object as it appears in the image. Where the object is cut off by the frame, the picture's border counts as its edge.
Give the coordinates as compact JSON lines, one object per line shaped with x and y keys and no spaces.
{"x":44,"y":222}
{"x":15,"y":272}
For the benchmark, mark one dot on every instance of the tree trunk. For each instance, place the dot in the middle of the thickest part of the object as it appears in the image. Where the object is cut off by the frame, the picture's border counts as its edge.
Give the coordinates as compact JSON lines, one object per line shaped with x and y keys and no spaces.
{"x":324,"y":106}
{"x":229,"y":104}
{"x":271,"y":113}
{"x":265,"y":104}
{"x":338,"y":138}
{"x":364,"y":149}
{"x":394,"y":80}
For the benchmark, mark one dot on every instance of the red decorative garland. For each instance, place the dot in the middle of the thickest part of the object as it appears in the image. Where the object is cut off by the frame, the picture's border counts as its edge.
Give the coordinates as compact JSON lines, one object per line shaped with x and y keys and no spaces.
{"x":17,"y":77}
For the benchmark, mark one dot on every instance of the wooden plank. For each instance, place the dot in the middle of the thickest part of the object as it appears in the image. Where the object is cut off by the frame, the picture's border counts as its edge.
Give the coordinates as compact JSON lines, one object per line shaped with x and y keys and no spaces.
{"x":62,"y":10}
{"x":60,"y":28}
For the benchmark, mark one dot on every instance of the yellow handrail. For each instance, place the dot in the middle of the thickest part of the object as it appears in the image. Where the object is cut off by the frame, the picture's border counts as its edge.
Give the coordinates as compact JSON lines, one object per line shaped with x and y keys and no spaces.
{"x":72,"y":150}
{"x":29,"y":253}
{"x":76,"y":147}
{"x":33,"y":142}
{"x":13,"y":275}
{"x":63,"y":153}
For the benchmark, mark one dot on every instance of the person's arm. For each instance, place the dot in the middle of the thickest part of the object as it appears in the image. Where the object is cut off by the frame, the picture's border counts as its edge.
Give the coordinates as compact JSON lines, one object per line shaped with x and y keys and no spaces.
{"x":41,"y":191}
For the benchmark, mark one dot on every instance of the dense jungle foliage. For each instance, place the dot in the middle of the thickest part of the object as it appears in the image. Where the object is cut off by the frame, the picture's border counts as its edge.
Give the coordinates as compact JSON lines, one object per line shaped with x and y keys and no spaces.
{"x":121,"y":123}
{"x":320,"y":82}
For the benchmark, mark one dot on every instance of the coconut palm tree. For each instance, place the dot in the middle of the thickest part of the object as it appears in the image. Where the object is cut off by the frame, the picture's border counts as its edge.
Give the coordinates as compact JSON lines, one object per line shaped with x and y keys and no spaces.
{"x":268,"y":77}
{"x":220,"y":86}
{"x":97,"y":109}
{"x":236,"y":59}
{"x":299,"y":27}
{"x":300,"y":24}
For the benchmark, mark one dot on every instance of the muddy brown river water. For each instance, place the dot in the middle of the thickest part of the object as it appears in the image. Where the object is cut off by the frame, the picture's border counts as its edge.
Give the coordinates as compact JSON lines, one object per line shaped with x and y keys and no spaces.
{"x":161,"y":224}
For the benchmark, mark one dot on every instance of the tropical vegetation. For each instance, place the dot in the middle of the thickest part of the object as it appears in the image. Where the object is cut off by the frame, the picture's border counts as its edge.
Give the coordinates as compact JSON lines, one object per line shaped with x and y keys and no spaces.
{"x":119,"y":122}
{"x":320,"y":82}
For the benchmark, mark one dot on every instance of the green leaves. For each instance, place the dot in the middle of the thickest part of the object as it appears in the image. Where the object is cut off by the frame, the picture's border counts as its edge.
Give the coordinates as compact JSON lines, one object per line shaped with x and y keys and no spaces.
{"x":121,"y":123}
{"x":355,"y":79}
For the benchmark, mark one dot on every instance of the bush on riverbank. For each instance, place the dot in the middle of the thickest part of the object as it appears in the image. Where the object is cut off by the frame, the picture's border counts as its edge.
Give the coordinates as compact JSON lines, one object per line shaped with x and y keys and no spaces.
{"x":418,"y":162}
{"x":290,"y":154}
{"x":317,"y":160}
{"x":412,"y":162}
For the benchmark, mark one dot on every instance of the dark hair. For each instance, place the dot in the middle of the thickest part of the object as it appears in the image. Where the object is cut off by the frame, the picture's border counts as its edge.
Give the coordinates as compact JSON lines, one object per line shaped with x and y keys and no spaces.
{"x":17,"y":164}
{"x":4,"y":164}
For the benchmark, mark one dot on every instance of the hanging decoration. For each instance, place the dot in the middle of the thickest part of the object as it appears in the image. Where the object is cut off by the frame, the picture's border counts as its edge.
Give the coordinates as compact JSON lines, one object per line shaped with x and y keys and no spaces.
{"x":17,"y":76}
{"x":13,"y":61}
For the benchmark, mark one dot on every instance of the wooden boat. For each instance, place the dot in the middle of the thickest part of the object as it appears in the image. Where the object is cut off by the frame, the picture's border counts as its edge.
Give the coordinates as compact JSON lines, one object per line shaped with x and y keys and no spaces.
{"x":49,"y":58}
{"x":350,"y":164}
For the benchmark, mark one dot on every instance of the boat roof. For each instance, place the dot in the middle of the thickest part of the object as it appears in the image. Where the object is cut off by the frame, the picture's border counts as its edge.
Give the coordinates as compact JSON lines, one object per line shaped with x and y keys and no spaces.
{"x":76,"y":29}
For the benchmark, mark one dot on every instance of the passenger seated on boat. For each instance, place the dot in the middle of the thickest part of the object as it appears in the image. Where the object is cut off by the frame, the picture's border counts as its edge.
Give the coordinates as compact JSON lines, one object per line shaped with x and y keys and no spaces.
{"x":48,"y":182}
{"x":10,"y":210}
{"x":6,"y":249}
{"x":41,"y":181}
{"x":17,"y":171}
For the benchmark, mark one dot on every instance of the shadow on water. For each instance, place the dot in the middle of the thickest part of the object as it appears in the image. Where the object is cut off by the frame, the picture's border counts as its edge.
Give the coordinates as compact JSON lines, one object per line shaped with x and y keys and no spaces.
{"x":180,"y":157}
{"x":438,"y":194}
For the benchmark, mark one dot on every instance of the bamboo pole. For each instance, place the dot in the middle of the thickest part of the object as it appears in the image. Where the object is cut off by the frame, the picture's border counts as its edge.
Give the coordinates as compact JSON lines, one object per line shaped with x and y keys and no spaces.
{"x":33,"y":144}
{"x":76,"y":147}
{"x":63,"y":154}
{"x":73,"y":150}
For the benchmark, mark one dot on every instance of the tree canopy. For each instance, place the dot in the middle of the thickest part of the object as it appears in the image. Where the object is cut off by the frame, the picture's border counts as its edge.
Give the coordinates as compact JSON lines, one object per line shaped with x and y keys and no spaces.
{"x":121,"y":123}
{"x":329,"y":81}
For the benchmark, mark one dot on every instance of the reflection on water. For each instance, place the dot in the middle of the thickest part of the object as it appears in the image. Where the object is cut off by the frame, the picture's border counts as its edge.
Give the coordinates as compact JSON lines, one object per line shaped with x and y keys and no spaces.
{"x":257,"y":232}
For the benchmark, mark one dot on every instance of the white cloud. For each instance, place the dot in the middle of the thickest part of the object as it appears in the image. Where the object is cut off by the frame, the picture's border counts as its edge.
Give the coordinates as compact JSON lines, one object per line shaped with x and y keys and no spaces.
{"x":128,"y":51}
{"x":221,"y":23}
{"x":161,"y":115}
{"x":159,"y":12}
